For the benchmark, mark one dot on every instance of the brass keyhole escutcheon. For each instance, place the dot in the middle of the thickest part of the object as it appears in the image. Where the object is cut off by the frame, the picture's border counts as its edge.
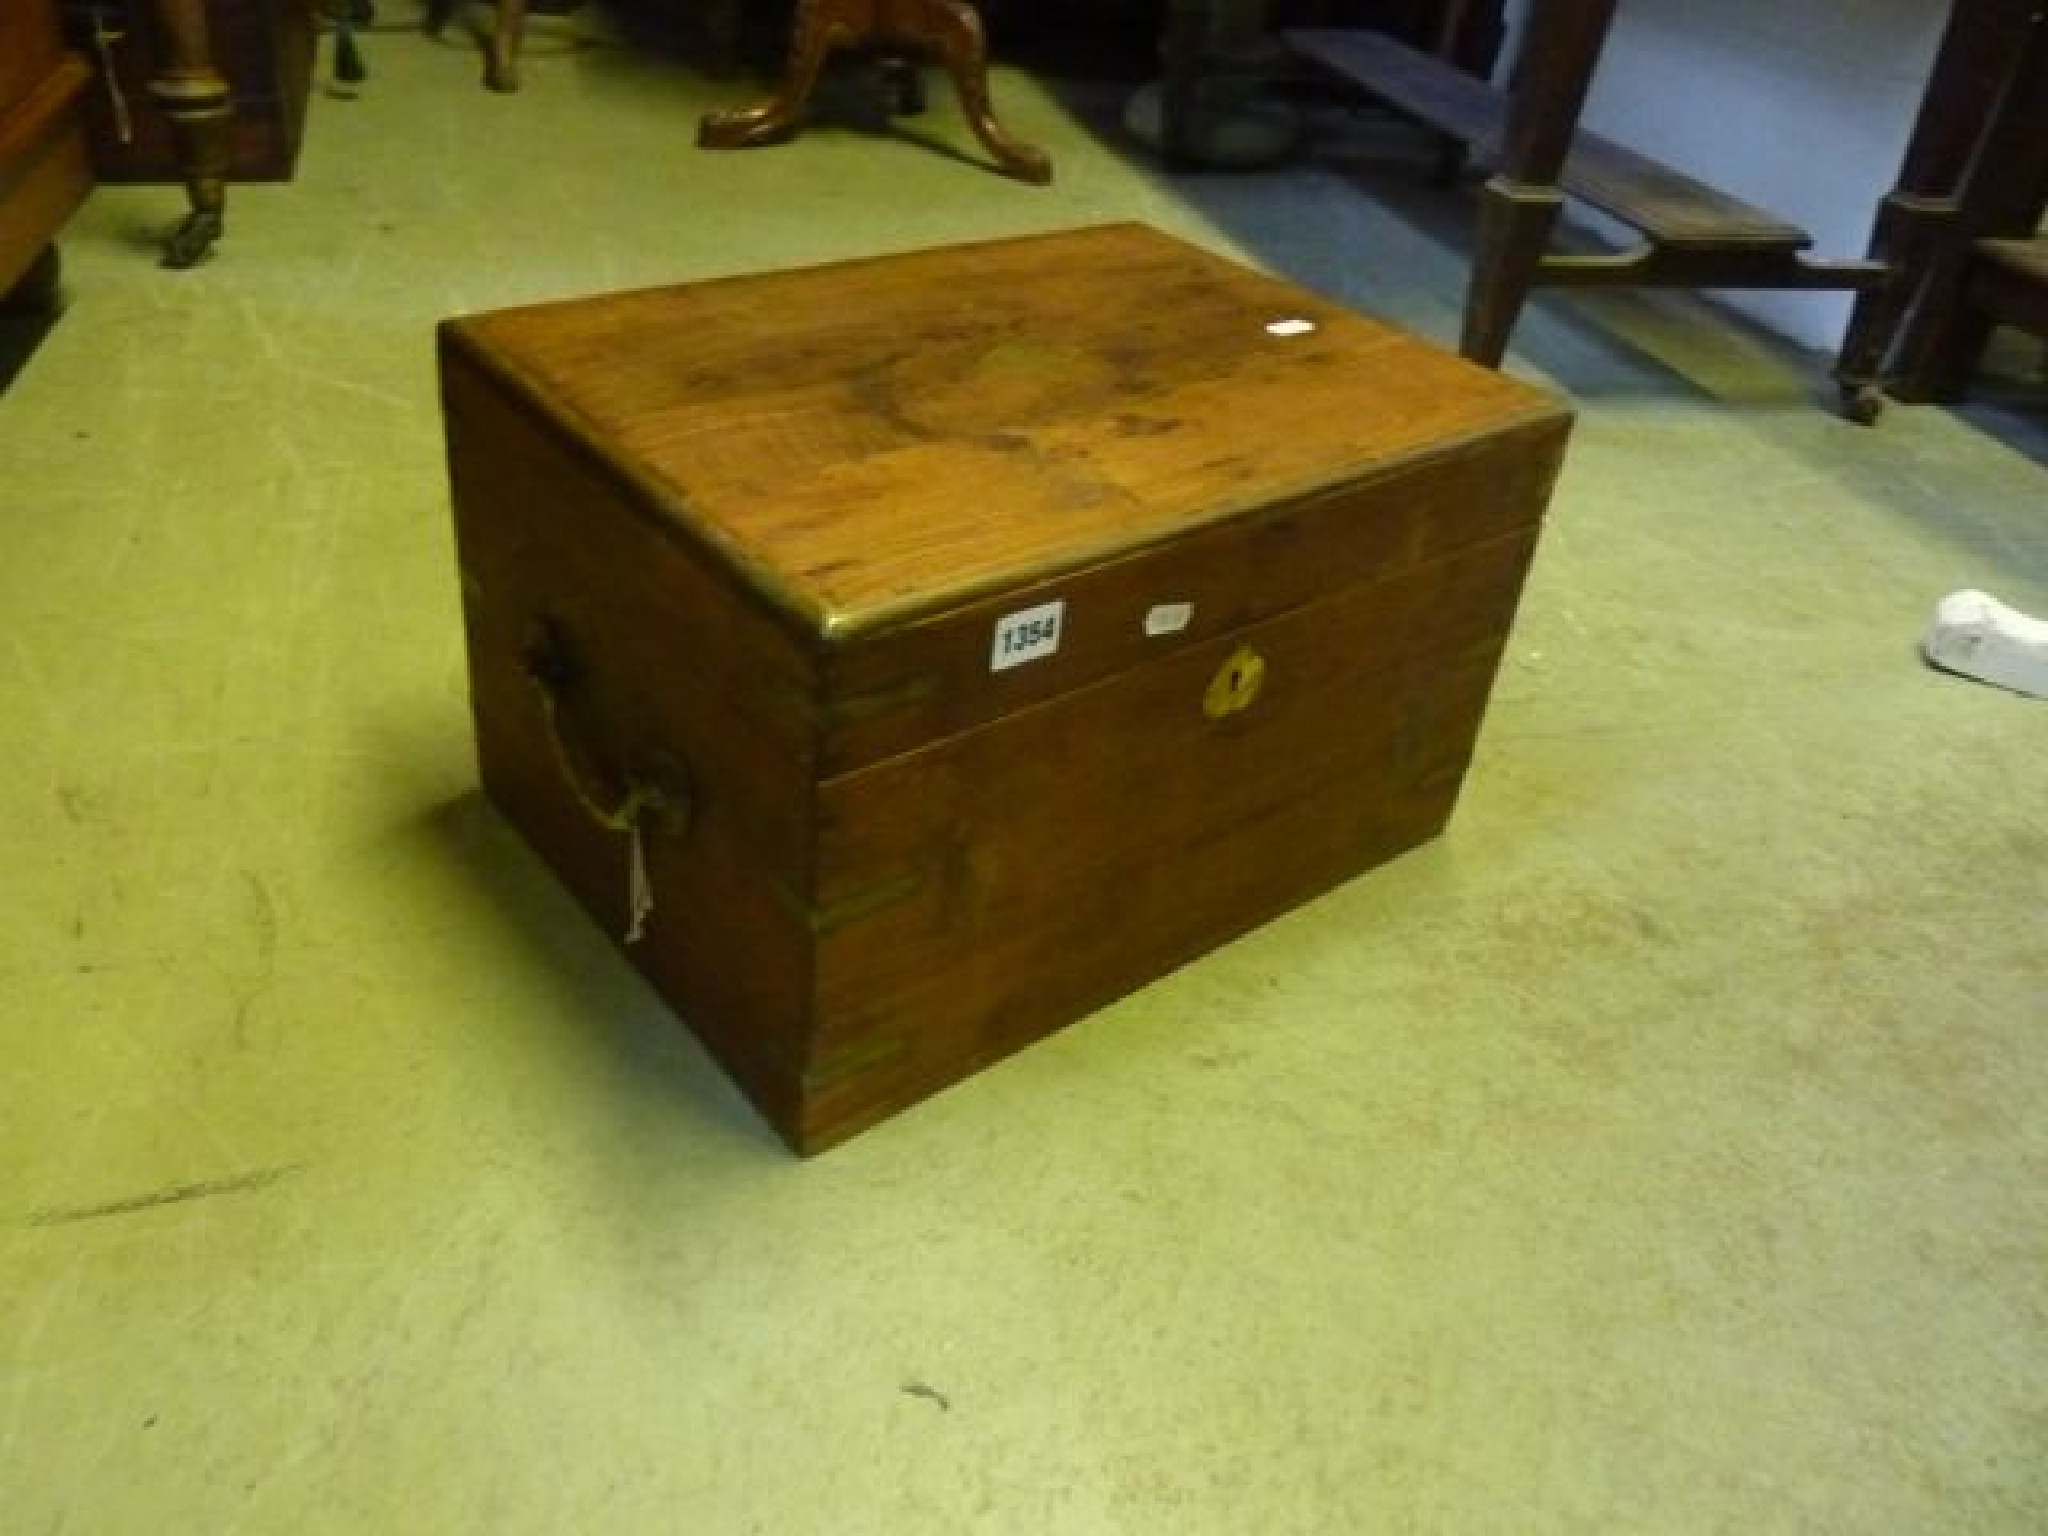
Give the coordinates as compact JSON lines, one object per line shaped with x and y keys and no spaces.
{"x":1236,"y":683}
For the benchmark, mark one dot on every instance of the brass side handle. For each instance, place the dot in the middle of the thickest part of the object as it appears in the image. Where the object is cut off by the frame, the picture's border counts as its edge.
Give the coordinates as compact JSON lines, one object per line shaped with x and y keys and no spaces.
{"x":652,"y":790}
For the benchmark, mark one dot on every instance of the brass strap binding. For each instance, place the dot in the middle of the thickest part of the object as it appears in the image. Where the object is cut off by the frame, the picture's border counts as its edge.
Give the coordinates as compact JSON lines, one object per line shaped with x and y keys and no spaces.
{"x":103,"y":39}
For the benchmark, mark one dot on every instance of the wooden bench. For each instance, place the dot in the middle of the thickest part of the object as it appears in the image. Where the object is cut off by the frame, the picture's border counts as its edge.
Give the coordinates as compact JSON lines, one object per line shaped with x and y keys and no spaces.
{"x":1528,"y":139}
{"x":2009,"y":282}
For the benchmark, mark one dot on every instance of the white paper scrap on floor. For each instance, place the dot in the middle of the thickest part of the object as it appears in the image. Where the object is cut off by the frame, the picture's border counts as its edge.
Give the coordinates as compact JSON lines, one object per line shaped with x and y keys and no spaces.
{"x":1975,"y":635}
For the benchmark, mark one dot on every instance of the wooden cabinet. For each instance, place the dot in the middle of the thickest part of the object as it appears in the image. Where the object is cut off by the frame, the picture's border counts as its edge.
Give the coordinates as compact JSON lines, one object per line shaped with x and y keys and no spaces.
{"x":264,"y":49}
{"x":44,"y":170}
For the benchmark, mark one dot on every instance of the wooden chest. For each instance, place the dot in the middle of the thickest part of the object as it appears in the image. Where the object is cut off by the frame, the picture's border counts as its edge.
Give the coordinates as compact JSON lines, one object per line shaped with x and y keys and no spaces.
{"x":904,"y":657}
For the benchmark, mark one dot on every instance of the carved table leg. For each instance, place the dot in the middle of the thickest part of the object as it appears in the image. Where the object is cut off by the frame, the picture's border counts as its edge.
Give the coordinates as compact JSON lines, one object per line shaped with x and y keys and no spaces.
{"x":501,"y":57}
{"x":195,"y":101}
{"x":949,"y":28}
{"x":953,"y":27}
{"x":821,"y":27}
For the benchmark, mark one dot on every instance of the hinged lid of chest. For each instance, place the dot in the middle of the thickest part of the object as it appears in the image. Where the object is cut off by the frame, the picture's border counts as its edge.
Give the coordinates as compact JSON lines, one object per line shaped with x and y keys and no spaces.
{"x":881,"y":440}
{"x":894,"y":455}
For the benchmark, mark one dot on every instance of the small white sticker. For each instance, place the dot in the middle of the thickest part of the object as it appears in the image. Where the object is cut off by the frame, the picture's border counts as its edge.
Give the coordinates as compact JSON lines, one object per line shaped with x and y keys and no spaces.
{"x":1295,"y":326}
{"x":1168,"y":618}
{"x":1026,"y":635}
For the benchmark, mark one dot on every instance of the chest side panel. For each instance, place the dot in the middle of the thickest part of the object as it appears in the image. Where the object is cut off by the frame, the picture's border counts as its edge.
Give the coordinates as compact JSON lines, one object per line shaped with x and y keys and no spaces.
{"x":604,"y":659}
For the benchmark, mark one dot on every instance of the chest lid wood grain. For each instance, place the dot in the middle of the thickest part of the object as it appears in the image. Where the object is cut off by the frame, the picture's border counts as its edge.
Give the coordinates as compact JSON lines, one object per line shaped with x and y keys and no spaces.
{"x":875,"y":442}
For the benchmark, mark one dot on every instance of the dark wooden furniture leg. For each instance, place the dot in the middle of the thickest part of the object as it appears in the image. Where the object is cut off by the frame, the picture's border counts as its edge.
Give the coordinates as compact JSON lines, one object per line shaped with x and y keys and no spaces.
{"x":953,"y":29}
{"x":721,"y":21}
{"x":1182,"y":47}
{"x":1521,"y":200}
{"x":501,"y":47}
{"x":195,"y":101}
{"x":1917,"y":219}
{"x":949,"y":29}
{"x":1981,"y":252}
{"x":508,"y":35}
{"x":501,"y":58}
{"x":820,"y":28}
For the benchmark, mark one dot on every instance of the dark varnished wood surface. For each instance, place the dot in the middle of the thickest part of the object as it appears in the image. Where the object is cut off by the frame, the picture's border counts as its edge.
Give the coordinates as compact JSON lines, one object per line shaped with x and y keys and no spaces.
{"x":780,"y":559}
{"x":1966,"y":227}
{"x":1971,"y":168}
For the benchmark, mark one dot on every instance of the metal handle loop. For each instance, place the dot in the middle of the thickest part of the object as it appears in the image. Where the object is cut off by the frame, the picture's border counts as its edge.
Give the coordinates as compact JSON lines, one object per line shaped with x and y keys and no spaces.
{"x":652,"y":793}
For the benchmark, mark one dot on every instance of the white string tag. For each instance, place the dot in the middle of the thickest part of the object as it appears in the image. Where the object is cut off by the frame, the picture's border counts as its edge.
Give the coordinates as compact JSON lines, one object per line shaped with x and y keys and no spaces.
{"x":639,"y":889}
